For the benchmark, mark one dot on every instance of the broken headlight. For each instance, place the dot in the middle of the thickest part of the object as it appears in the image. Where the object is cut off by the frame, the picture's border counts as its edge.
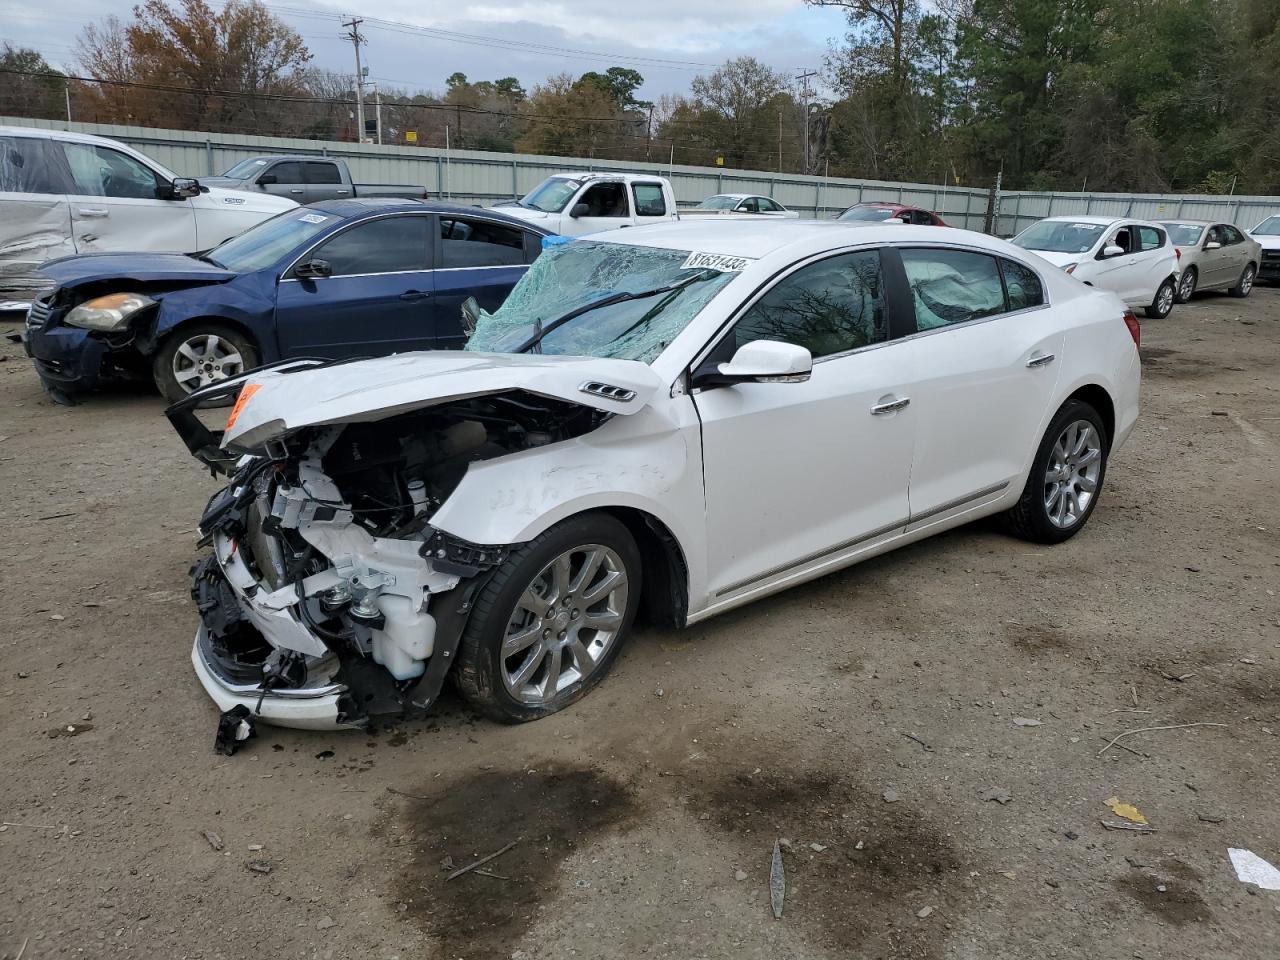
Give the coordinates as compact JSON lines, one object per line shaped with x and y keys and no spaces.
{"x":110,"y":313}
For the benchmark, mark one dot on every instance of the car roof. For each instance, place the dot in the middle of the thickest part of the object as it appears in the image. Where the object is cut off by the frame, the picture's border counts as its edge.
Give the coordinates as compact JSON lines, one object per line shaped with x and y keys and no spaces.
{"x":1099,"y":221}
{"x":48,"y":134}
{"x":756,"y":240}
{"x":355,"y":206}
{"x":286,"y":156}
{"x":1194,"y":223}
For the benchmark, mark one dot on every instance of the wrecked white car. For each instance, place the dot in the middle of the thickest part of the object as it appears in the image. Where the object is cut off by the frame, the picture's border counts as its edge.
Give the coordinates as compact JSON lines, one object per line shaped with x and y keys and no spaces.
{"x":676,"y":420}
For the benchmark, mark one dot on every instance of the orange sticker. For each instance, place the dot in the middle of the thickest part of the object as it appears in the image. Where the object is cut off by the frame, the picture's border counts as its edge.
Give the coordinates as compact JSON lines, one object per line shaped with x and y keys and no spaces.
{"x":249,"y":390}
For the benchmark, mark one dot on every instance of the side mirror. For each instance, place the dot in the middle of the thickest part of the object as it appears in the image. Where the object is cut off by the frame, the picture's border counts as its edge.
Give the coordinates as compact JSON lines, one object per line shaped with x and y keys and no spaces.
{"x":768,"y":361}
{"x":267,"y":179}
{"x":184,"y":188}
{"x":470,"y":316}
{"x":1113,"y":250}
{"x":579,"y":210}
{"x":313,"y":270}
{"x":1213,"y":245}
{"x":905,"y":216}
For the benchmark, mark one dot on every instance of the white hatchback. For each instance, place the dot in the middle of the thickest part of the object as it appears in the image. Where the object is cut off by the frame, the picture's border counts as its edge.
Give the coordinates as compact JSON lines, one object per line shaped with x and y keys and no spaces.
{"x":1132,"y":258}
{"x":66,"y":193}
{"x":679,"y":419}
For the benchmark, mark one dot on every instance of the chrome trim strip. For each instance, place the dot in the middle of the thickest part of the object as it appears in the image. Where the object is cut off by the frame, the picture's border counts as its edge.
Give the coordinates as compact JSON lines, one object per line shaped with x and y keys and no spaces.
{"x":958,"y":502}
{"x":820,"y":555}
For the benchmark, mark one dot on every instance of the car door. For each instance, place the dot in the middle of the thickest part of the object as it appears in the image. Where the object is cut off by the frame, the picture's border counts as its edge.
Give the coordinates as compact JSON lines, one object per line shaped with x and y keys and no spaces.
{"x":323,"y":181}
{"x":35,"y":217}
{"x":117,"y":204}
{"x":377,"y":299}
{"x":607,"y":208}
{"x":480,"y":258}
{"x":1238,"y":254}
{"x":798,"y":475}
{"x":986,"y":366}
{"x":284,"y":178}
{"x":1156,"y":257}
{"x":1122,"y":273}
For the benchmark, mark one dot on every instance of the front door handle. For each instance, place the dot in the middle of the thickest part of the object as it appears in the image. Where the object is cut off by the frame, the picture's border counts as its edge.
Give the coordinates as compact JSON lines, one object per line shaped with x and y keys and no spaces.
{"x":295,"y":190}
{"x":1040,"y":360}
{"x":414,"y":295}
{"x":92,"y":212}
{"x":889,"y":406}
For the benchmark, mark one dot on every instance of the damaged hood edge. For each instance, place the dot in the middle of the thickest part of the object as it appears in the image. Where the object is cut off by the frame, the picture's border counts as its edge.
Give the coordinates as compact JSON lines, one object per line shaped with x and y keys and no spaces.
{"x":275,"y":403}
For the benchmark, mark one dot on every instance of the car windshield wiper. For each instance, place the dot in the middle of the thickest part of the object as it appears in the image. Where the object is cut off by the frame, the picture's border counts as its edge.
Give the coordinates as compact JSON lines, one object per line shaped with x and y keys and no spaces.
{"x":541,"y":329}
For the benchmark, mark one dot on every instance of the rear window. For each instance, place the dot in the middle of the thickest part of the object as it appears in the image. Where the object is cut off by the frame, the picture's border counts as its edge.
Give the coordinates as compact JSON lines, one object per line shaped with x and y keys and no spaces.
{"x":1149,"y":238}
{"x":319,"y":172}
{"x":649,"y":200}
{"x":32,"y":165}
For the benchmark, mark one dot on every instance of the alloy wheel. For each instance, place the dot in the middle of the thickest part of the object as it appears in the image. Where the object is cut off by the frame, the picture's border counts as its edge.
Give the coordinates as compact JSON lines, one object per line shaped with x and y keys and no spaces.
{"x":204,"y":359}
{"x":1164,"y":299}
{"x":1071,"y":477}
{"x":1246,"y":281}
{"x":1187,"y":286}
{"x":563,"y":623}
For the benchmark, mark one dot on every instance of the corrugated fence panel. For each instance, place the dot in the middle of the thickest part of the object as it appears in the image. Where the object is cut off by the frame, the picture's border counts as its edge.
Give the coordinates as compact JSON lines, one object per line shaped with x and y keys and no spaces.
{"x":484,"y":178}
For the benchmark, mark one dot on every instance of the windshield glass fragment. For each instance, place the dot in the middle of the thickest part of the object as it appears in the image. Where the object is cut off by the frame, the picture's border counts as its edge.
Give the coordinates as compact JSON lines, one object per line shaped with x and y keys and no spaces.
{"x":570,"y":276}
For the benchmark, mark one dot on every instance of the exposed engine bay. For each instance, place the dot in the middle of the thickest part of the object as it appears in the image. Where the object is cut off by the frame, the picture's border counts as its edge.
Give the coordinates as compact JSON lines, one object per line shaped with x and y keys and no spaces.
{"x":327,"y":589}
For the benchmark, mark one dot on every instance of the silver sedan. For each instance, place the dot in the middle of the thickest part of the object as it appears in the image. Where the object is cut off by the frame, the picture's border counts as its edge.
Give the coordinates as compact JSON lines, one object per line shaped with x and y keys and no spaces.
{"x":1214,"y":256}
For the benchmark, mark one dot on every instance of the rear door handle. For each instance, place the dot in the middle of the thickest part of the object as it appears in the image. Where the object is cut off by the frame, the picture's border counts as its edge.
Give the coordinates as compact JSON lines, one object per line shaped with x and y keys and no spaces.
{"x":92,"y":212}
{"x":1040,"y":360}
{"x":295,"y":189}
{"x":414,"y":295}
{"x":889,"y":406}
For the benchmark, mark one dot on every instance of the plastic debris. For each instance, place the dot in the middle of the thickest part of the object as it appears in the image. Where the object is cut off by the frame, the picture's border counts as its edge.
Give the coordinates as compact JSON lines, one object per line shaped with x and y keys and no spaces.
{"x":259,"y":866}
{"x":1126,"y":810}
{"x":235,"y":726}
{"x":1251,"y":868}
{"x":214,"y":840}
{"x":777,"y":882}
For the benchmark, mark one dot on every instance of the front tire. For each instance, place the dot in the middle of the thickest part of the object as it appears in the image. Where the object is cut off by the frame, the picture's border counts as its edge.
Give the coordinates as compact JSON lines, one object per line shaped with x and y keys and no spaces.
{"x":1245,"y":283}
{"x":198,"y":355}
{"x":1187,"y":285}
{"x":549,"y":623}
{"x":1166,"y":293}
{"x":1066,"y":477}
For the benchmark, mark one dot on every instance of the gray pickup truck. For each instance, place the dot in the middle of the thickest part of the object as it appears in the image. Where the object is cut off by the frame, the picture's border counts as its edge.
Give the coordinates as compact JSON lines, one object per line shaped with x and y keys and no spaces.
{"x":305,"y":179}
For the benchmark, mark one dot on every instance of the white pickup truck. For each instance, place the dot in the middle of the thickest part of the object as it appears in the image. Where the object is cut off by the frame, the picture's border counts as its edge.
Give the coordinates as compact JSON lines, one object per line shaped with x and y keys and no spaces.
{"x":572,"y":204}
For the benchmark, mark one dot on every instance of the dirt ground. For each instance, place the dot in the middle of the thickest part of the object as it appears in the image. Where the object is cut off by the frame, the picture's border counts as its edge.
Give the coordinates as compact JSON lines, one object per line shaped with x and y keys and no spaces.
{"x":863,"y":717}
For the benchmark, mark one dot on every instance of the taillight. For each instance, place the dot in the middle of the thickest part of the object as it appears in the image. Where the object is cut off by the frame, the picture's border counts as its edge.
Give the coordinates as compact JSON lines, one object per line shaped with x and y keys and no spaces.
{"x":1178,"y":251}
{"x":1135,"y":328}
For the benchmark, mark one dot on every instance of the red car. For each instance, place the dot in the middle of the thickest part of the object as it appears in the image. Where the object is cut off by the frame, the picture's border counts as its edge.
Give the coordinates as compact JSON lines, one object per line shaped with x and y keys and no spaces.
{"x":879,"y":212}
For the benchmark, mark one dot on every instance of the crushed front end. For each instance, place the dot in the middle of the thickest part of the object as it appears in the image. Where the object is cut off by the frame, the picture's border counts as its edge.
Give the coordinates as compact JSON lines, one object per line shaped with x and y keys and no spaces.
{"x":328,"y":598}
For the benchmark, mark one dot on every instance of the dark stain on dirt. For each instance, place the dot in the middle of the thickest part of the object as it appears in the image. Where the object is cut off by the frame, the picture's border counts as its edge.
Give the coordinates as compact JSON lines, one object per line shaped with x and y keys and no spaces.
{"x":1033,"y":638}
{"x":1160,"y":361}
{"x":1178,"y":903}
{"x":548,"y":812}
{"x":848,"y":896}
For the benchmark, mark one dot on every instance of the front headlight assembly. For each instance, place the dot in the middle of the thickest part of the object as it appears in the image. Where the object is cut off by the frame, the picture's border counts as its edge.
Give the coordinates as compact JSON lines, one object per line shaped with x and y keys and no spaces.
{"x":110,"y":313}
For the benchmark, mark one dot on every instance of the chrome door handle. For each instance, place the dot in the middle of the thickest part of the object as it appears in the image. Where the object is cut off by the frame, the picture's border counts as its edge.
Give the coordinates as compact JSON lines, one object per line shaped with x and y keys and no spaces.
{"x":1040,"y":360}
{"x":414,"y":295}
{"x":295,"y":190}
{"x":92,"y":212}
{"x":890,"y":406}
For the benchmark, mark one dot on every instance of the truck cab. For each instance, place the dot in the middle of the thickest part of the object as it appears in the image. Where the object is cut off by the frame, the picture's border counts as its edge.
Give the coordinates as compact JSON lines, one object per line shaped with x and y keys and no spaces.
{"x":573,"y":204}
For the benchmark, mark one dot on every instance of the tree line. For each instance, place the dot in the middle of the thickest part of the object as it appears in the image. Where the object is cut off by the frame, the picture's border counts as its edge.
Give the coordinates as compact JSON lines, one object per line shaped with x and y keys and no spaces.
{"x":1141,"y":95}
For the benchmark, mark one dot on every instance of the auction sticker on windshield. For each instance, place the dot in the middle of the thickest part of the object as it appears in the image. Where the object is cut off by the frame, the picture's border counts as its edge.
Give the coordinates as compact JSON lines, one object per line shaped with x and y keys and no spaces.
{"x":312,"y":218}
{"x":714,"y":261}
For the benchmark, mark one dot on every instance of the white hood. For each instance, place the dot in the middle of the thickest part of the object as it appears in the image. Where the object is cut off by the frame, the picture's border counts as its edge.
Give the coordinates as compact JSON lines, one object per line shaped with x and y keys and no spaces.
{"x":1267,"y":241}
{"x":274,"y":403}
{"x":524,"y":213}
{"x":1060,"y":259}
{"x":242,"y":201}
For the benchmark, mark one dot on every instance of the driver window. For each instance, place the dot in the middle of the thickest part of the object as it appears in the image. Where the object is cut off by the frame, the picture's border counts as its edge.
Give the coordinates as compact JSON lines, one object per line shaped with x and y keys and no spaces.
{"x":103,"y":172}
{"x":1123,"y":238}
{"x":395,"y":244}
{"x":828,"y":307}
{"x":605,"y":200}
{"x":1216,"y":235}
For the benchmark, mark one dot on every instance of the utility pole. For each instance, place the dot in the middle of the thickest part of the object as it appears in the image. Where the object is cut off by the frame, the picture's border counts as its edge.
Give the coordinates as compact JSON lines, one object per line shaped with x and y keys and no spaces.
{"x":377,"y":100}
{"x":66,"y":89}
{"x":779,"y":141}
{"x":356,"y":40}
{"x":804,"y":81}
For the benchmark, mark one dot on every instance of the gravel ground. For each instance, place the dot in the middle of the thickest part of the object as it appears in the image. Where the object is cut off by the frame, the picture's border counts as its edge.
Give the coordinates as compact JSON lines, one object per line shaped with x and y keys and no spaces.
{"x":864,"y":718}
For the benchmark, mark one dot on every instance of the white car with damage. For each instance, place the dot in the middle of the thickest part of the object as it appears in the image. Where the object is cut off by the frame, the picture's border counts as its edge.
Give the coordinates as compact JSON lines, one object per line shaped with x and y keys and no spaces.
{"x":65,"y":193}
{"x":675,"y":420}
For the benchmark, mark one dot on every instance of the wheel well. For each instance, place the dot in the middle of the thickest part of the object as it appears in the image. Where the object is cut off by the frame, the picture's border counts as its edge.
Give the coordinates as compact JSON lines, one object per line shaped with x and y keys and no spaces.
{"x":1100,"y":400}
{"x":235,"y":325}
{"x":664,"y":596}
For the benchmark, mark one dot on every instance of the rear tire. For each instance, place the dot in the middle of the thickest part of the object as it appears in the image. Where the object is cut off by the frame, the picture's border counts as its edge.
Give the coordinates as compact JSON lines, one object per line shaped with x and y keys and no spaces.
{"x":198,"y":355}
{"x":1065,"y":479}
{"x":548,"y":625}
{"x":1245,"y":283}
{"x":1187,"y":285}
{"x":1160,"y":307}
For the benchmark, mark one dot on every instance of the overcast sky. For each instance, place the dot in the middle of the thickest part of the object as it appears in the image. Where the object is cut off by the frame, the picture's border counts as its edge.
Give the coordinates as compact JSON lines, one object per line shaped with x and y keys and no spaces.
{"x":783,"y":33}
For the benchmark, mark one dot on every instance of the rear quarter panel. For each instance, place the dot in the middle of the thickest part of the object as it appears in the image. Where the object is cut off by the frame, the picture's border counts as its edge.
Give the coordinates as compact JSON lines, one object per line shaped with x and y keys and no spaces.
{"x":1099,"y":351}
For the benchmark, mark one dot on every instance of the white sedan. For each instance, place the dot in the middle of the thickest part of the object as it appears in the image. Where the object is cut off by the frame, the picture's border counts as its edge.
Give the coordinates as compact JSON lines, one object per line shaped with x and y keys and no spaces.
{"x":735,"y":203}
{"x":680,"y":418}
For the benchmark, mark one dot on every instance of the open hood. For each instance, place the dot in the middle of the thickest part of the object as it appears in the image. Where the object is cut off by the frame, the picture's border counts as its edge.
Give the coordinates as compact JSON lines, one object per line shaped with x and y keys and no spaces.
{"x":275,"y":403}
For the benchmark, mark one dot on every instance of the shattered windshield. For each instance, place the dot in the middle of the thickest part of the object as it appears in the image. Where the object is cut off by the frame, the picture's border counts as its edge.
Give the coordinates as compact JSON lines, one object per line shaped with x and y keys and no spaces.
{"x":551,"y":195}
{"x":571,"y":275}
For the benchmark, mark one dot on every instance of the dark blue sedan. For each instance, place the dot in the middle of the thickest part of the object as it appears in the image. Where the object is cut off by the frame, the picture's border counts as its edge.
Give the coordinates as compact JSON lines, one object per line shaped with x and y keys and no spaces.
{"x":339,"y":279}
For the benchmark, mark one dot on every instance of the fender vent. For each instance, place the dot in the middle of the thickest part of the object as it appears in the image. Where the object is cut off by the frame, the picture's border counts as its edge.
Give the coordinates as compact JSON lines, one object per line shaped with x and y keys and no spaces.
{"x":608,"y":391}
